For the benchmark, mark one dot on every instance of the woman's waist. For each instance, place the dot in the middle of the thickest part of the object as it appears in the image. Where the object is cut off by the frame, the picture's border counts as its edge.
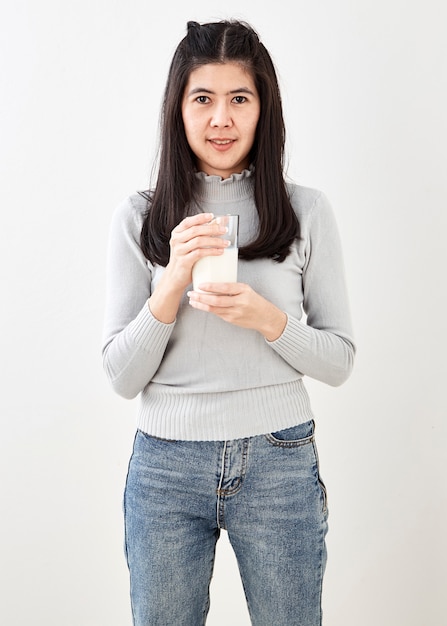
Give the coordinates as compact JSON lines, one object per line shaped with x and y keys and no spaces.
{"x":184,"y":413}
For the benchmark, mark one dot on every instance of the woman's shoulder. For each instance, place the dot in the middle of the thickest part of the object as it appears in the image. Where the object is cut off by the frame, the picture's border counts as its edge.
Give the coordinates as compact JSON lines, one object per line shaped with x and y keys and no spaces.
{"x":303,"y":198}
{"x":131,"y":211}
{"x":306,"y":201}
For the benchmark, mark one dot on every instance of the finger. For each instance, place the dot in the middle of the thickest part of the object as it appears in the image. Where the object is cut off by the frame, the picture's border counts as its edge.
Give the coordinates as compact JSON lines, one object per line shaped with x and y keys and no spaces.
{"x":211,"y":301}
{"x":208,"y":306}
{"x":204,"y":236}
{"x":198,"y":248}
{"x":228,"y":289}
{"x":193,"y":220}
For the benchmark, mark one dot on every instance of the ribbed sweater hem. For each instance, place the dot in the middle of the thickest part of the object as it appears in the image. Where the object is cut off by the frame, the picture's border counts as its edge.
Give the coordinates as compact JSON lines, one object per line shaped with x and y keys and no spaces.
{"x":178,"y":414}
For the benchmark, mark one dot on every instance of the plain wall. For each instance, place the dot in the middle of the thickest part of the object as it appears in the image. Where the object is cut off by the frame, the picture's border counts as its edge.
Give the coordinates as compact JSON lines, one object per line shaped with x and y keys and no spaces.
{"x":364,"y":90}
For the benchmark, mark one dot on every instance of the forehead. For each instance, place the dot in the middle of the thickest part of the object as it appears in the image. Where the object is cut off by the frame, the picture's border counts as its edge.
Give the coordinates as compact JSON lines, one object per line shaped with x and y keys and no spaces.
{"x":221,"y":77}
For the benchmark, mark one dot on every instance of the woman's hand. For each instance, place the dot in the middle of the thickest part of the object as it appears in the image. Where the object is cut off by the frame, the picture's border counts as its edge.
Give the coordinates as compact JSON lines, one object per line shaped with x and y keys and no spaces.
{"x":239,"y":304}
{"x":195,"y":237}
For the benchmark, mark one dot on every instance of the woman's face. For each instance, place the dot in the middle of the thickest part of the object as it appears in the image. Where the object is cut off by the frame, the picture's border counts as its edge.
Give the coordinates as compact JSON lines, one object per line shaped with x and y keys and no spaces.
{"x":220,"y":110}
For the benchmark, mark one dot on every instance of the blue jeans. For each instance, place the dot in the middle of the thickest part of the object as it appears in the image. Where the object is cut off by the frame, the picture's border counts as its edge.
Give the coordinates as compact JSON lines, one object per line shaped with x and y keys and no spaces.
{"x":265,"y":491}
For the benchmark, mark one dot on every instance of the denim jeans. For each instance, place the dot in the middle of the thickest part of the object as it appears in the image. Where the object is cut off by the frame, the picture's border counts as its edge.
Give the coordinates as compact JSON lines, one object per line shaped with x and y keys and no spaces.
{"x":265,"y":491}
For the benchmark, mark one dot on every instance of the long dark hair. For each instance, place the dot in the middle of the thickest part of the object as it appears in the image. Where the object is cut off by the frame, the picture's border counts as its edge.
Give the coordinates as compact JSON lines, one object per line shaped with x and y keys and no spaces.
{"x":176,"y":185}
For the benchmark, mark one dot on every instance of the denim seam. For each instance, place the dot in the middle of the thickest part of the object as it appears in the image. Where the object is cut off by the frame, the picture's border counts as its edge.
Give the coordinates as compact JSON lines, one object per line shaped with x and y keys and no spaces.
{"x":126,"y":541}
{"x":223,"y":493}
{"x":219,"y":491}
{"x":320,"y":481}
{"x":284,"y":443}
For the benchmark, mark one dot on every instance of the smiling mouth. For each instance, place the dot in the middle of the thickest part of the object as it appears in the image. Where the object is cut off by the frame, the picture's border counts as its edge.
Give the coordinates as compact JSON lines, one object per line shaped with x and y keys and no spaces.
{"x":222,"y":142}
{"x":222,"y":145}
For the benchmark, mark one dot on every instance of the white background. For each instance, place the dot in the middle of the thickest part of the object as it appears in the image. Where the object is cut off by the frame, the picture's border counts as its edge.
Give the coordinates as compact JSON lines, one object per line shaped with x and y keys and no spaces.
{"x":364,"y":89}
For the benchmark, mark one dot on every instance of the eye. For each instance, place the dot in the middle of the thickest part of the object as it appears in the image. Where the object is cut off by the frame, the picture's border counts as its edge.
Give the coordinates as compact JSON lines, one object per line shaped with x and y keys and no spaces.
{"x":202,"y":99}
{"x":240,"y":99}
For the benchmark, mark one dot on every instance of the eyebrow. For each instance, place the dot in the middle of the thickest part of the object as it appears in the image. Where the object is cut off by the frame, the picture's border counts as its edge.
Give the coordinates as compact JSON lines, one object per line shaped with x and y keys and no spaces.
{"x":233,"y":91}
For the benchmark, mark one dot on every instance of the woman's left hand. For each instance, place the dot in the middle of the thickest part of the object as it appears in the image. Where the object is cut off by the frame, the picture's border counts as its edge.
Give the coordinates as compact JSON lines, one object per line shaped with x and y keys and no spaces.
{"x":239,"y":304}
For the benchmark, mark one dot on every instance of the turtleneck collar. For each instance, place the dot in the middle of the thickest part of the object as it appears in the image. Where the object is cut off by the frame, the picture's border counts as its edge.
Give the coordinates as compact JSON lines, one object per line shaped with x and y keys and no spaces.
{"x":215,"y":188}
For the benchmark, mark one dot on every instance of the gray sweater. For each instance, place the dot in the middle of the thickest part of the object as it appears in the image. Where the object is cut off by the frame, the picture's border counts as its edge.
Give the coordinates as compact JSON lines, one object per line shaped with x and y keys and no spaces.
{"x":201,"y":378}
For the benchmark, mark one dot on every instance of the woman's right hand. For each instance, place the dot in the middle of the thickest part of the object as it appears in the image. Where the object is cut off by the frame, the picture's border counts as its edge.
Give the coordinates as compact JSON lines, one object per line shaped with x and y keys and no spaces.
{"x":195,"y":237}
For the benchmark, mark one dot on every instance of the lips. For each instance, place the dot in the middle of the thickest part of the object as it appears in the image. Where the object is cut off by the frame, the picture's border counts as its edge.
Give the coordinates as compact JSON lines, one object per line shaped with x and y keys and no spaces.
{"x":221,"y":144}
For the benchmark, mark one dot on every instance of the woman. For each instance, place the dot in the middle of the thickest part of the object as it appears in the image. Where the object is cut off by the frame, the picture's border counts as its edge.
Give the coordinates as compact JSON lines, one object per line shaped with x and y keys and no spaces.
{"x":225,"y":436}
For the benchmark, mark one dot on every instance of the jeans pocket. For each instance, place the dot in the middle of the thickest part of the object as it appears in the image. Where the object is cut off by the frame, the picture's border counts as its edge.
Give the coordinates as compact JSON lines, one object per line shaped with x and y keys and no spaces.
{"x":293,"y":437}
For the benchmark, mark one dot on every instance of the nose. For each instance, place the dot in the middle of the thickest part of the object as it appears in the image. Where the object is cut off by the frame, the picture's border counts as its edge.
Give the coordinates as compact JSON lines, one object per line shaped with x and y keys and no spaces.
{"x":221,"y":116}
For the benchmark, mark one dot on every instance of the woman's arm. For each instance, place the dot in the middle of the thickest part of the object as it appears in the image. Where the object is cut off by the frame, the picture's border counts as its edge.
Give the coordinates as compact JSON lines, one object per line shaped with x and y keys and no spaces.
{"x":139,"y":321}
{"x":323,"y":348}
{"x":134,"y":341}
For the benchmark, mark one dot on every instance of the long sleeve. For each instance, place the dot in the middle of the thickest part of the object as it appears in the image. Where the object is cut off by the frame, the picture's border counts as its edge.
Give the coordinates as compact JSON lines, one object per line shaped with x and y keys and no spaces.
{"x":323,"y":347}
{"x":134,"y":342}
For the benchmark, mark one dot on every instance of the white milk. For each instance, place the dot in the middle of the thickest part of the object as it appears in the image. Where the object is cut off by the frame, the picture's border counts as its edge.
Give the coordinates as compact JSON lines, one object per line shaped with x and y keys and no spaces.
{"x":216,"y":269}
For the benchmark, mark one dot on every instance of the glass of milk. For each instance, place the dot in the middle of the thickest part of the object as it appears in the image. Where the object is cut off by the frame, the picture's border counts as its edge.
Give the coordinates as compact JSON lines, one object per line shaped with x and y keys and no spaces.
{"x":222,"y":268}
